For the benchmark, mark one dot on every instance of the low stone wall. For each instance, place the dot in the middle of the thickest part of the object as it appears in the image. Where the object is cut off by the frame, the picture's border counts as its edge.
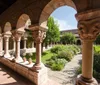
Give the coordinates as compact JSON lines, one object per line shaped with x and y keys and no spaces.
{"x":38,"y":77}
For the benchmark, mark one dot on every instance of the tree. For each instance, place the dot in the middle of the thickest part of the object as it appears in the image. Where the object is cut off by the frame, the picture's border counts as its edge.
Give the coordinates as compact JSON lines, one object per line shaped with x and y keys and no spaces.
{"x":53,"y":33}
{"x":68,"y":38}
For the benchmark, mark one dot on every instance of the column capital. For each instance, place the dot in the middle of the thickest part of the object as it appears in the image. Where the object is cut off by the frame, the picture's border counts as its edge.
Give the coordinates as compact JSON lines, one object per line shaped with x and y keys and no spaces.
{"x":7,"y":34}
{"x":89,"y":29}
{"x":39,"y":35}
{"x":17,"y":34}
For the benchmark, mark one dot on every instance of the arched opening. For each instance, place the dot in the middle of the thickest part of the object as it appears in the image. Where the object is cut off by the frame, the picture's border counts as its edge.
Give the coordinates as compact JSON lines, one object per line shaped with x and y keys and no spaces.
{"x":7,"y":30}
{"x":23,"y":22}
{"x":50,"y":7}
{"x":65,"y":17}
{"x":7,"y":27}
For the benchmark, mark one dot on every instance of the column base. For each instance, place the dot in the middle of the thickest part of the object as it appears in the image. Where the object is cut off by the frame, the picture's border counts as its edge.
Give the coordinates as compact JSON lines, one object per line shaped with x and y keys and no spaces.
{"x":7,"y":55}
{"x":37,"y":66}
{"x":18,"y":59}
{"x":39,"y":77}
{"x":85,"y":81}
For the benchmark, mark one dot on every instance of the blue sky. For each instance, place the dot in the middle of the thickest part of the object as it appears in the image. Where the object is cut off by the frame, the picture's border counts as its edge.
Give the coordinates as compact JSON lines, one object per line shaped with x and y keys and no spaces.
{"x":65,"y":16}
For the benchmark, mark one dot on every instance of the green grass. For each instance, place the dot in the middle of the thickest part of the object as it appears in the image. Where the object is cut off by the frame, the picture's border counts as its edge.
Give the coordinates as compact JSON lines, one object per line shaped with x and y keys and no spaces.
{"x":46,"y":56}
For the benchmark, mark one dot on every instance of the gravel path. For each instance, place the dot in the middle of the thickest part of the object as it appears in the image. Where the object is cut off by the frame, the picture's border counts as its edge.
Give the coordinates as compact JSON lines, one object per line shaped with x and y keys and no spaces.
{"x":67,"y":75}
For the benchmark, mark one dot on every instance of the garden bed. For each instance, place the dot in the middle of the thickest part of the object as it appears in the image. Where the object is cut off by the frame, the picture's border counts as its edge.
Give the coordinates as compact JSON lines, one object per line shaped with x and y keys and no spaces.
{"x":57,"y":57}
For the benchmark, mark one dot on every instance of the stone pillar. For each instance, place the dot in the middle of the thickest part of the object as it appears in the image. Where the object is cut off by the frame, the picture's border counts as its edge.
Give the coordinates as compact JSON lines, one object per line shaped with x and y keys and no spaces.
{"x":14,"y":44}
{"x":89,"y":28}
{"x":6,"y":47}
{"x":33,"y":44}
{"x":1,"y":45}
{"x":17,"y":34}
{"x":87,"y":60}
{"x":17,"y":54}
{"x":25,"y":43}
{"x":38,"y":36}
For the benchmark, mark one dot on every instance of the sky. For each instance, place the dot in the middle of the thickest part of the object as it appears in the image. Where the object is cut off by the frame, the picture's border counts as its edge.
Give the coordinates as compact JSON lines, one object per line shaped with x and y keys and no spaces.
{"x":65,"y":16}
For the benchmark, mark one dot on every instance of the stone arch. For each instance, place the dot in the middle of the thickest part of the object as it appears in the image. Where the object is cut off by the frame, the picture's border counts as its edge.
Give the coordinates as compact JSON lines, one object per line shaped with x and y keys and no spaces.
{"x":50,"y":7}
{"x":7,"y":27}
{"x":23,"y":22}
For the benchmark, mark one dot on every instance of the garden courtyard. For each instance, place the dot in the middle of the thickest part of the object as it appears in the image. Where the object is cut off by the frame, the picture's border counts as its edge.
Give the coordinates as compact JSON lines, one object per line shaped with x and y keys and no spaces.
{"x":63,"y":75}
{"x":29,"y":27}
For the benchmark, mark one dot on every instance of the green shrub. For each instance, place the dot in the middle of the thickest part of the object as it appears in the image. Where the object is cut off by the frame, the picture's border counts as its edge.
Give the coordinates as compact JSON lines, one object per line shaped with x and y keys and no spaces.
{"x":54,"y":57}
{"x":65,"y":54}
{"x":50,"y":62}
{"x":97,"y":49}
{"x":56,"y":49}
{"x":57,"y":67}
{"x":96,"y":74}
{"x":57,"y":64}
{"x":75,"y":49}
{"x":96,"y":66}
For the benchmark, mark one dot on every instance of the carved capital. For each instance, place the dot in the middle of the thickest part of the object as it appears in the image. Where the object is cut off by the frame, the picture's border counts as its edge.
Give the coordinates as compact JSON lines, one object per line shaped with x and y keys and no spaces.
{"x":89,"y":29}
{"x":39,"y":36}
{"x":17,"y":34}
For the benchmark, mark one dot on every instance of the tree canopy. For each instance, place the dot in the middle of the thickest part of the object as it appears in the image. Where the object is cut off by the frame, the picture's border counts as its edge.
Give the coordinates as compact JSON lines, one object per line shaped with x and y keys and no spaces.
{"x":53,"y":33}
{"x":68,"y":38}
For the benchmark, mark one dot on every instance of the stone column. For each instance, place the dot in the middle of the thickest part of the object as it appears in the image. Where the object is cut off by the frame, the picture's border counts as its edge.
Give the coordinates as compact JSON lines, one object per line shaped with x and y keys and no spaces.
{"x":88,"y":29}
{"x":18,"y":34}
{"x":33,"y":44}
{"x":17,"y":54}
{"x":14,"y":44}
{"x":6,"y":47}
{"x":87,"y":58}
{"x":1,"y":45}
{"x":25,"y":43}
{"x":38,"y":36}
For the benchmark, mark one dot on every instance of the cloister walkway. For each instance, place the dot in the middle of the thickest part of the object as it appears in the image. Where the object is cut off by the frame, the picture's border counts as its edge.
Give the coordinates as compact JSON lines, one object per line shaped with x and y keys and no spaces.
{"x":68,"y":75}
{"x":9,"y":77}
{"x":64,"y":77}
